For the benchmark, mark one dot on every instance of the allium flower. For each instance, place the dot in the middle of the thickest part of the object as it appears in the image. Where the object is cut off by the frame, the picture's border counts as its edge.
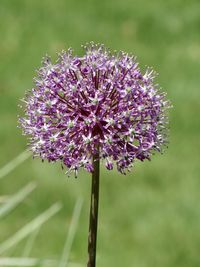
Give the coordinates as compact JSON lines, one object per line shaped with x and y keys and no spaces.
{"x":99,"y":103}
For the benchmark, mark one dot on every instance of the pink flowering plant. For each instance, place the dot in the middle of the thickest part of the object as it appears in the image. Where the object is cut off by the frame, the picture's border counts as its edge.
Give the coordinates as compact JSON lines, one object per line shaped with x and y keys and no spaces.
{"x":93,"y":107}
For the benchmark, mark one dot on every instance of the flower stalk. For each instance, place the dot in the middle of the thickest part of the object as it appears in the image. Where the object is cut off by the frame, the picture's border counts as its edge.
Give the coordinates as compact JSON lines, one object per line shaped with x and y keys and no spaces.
{"x":93,"y":222}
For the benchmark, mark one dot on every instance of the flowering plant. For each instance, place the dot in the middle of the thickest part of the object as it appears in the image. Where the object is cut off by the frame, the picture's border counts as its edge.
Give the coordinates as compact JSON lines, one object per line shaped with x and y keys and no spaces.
{"x":98,"y":106}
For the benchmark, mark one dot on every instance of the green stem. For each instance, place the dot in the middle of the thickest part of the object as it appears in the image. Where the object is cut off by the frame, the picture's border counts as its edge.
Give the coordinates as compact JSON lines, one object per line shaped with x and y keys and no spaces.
{"x":92,"y":236}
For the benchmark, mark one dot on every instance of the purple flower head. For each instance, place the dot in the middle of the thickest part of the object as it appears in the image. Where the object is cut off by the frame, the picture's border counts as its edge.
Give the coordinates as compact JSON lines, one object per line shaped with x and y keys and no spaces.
{"x":98,"y":103}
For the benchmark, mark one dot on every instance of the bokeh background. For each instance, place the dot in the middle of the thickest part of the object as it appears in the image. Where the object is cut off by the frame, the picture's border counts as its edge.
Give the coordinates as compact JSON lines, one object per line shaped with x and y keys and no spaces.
{"x":151,"y":217}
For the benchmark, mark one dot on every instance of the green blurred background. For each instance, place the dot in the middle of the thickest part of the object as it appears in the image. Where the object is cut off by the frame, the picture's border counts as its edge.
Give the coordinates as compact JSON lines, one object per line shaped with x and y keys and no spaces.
{"x":150,"y":217}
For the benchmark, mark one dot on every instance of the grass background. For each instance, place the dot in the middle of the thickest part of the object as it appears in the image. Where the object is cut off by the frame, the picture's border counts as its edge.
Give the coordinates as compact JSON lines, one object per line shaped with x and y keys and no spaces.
{"x":151,"y":217}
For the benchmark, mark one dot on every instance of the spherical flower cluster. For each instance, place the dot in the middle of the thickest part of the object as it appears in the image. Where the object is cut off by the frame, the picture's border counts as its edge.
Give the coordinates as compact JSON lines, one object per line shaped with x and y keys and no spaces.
{"x":98,"y":104}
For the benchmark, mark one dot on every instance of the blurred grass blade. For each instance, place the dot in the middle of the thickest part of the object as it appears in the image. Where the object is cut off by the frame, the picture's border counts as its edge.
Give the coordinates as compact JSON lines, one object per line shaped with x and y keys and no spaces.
{"x":27,"y":262}
{"x":14,"y":200}
{"x":18,"y":261}
{"x":71,"y":233}
{"x":4,"y":199}
{"x":29,"y":228}
{"x":30,"y":243}
{"x":10,"y":166}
